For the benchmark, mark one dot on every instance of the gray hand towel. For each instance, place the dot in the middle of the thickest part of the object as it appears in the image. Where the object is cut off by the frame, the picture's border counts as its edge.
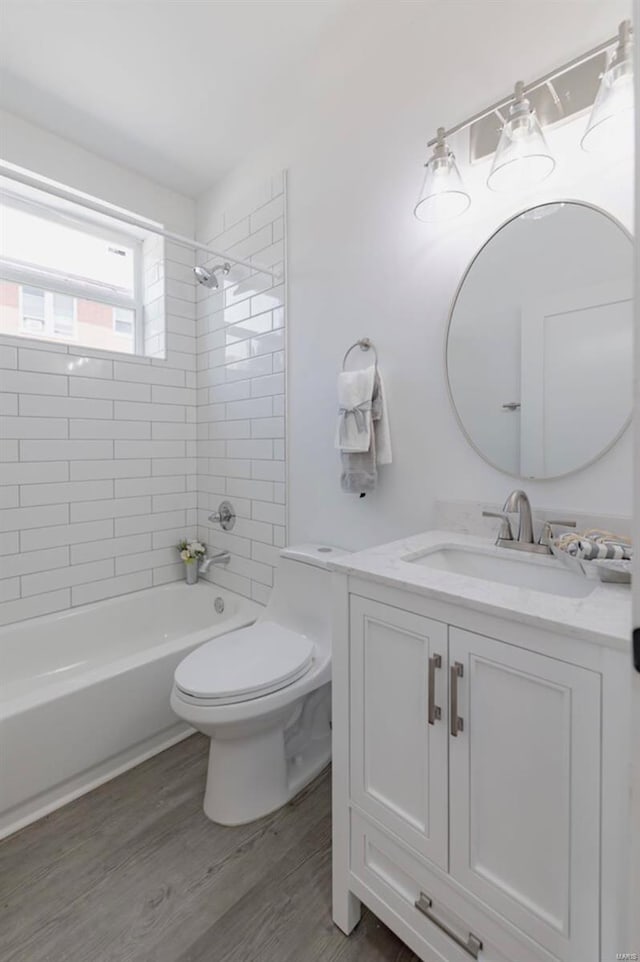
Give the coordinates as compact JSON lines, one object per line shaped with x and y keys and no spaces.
{"x":359,"y":471}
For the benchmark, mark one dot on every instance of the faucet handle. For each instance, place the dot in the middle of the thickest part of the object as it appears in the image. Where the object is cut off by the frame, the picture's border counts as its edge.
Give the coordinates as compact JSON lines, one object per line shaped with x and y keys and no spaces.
{"x":547,"y":531}
{"x":225,"y":516}
{"x":505,"y":533}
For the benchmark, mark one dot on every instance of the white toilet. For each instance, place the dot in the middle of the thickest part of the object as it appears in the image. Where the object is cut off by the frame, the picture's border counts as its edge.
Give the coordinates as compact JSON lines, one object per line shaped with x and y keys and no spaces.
{"x":263,"y":696}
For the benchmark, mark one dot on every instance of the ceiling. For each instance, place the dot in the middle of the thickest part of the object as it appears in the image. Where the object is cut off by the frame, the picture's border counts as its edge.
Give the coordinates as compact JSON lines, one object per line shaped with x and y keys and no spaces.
{"x":180,"y":90}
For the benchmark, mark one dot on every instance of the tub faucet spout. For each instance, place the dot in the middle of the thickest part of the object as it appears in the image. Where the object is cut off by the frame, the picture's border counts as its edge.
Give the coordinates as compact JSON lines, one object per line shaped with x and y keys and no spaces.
{"x":219,"y":558}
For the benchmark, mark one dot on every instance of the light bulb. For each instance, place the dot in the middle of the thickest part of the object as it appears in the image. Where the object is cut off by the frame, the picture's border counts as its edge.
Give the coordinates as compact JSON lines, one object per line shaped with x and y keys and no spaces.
{"x":443,"y":195}
{"x":610,"y":124}
{"x":522,"y":157}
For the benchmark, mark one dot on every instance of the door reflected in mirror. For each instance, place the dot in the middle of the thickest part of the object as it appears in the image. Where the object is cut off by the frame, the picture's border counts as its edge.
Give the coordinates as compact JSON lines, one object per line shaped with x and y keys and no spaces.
{"x":540,"y":341}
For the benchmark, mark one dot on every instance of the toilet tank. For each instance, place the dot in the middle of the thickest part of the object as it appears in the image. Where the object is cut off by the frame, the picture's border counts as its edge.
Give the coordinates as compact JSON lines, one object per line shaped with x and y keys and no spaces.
{"x":301,"y":595}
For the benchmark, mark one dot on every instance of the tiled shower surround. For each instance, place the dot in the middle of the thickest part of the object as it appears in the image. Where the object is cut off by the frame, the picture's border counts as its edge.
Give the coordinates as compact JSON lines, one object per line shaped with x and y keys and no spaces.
{"x":98,"y":451}
{"x":241,"y":392}
{"x":98,"y":463}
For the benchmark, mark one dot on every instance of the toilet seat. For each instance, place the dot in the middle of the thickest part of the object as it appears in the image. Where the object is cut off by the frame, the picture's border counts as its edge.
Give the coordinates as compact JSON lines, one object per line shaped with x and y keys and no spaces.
{"x":244,"y":664}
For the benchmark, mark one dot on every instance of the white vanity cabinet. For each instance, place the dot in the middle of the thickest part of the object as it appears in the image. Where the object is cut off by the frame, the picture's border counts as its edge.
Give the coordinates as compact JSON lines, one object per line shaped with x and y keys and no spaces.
{"x":398,"y":663}
{"x":524,"y":782}
{"x":468,"y":782}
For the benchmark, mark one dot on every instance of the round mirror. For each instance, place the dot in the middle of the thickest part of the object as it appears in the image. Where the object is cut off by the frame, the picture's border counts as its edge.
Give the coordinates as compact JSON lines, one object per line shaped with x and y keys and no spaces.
{"x":540,"y":341}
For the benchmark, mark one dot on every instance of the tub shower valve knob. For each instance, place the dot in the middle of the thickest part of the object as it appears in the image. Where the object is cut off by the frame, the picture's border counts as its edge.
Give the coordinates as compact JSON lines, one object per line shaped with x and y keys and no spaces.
{"x":225,"y":516}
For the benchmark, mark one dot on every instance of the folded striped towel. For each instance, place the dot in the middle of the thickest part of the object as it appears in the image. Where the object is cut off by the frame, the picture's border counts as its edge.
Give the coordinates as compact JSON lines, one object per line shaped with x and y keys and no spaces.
{"x":595,"y":544}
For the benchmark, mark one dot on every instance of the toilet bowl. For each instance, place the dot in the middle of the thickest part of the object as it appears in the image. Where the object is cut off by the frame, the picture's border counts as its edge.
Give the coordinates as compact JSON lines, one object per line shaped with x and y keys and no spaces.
{"x":263,"y":695}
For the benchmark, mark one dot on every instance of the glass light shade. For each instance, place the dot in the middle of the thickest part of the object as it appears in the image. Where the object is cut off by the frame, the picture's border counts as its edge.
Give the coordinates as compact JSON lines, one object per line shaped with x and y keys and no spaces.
{"x":443,"y":196}
{"x":522,"y":158}
{"x":610,"y":125}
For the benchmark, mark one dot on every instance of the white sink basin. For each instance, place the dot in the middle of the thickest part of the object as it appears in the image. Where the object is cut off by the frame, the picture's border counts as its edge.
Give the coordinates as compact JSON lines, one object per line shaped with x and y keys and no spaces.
{"x":506,"y":567}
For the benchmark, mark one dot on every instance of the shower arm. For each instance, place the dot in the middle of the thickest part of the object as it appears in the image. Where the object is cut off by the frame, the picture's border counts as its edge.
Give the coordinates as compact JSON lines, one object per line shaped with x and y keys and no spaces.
{"x":48,"y":187}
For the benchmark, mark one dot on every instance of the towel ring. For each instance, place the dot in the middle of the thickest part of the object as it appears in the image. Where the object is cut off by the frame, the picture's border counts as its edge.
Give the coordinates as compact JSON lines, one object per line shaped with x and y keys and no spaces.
{"x":365,"y":344}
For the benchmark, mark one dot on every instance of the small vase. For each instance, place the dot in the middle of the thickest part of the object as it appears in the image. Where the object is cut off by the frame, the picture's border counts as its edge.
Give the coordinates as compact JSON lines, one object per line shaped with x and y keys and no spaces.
{"x":191,"y":572}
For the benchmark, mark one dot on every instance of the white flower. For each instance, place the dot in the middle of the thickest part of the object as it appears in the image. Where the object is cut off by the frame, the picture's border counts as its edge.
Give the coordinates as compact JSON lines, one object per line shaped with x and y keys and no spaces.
{"x":196,"y":547}
{"x":185,"y":555}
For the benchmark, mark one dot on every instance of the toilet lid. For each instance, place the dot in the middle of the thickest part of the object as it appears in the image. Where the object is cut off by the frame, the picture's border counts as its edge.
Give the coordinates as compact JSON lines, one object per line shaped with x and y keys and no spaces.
{"x":245,"y":664}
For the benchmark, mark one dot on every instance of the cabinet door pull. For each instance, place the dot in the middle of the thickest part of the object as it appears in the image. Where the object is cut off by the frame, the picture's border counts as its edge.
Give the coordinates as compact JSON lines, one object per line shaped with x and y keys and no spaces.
{"x":457,"y":724}
{"x":434,"y":710}
{"x":472,"y":944}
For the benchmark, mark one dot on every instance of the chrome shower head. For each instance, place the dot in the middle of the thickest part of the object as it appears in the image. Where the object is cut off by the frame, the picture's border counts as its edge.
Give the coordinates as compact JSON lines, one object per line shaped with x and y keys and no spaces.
{"x":204,"y":277}
{"x":208,"y":277}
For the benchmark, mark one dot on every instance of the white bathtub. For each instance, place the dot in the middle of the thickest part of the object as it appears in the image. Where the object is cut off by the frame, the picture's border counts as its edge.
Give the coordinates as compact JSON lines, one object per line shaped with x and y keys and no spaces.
{"x":84,"y":694}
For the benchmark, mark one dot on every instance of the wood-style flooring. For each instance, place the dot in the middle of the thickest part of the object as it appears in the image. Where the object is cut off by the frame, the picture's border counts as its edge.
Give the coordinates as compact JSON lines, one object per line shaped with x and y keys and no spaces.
{"x":134,"y":872}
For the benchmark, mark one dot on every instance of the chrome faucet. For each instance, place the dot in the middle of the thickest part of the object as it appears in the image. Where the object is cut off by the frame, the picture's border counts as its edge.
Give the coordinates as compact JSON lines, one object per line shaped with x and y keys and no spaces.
{"x":518,"y":503}
{"x":225,"y":516}
{"x":219,"y":558}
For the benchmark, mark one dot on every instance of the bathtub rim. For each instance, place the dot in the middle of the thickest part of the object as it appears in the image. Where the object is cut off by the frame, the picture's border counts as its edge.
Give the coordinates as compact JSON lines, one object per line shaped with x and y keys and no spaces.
{"x":247,"y":614}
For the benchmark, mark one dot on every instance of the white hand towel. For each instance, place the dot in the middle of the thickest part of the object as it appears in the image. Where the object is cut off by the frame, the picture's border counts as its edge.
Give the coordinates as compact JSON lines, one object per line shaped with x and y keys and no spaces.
{"x":355,"y":392}
{"x":381,"y":423}
{"x":362,"y":423}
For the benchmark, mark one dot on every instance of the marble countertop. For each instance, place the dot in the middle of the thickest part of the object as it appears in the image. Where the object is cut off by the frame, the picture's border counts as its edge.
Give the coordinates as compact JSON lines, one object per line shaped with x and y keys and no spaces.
{"x":603,"y":616}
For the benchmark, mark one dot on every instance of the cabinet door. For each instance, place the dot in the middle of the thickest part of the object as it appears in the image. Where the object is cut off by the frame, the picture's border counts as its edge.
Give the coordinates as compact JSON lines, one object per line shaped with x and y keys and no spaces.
{"x":398,"y":749}
{"x":525,"y":790}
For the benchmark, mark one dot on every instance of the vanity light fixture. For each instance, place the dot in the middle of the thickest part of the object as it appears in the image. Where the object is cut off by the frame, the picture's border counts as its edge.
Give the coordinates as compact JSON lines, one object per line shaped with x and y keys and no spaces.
{"x":443,"y":195}
{"x":523,"y":157}
{"x":611,"y":118}
{"x":521,"y":154}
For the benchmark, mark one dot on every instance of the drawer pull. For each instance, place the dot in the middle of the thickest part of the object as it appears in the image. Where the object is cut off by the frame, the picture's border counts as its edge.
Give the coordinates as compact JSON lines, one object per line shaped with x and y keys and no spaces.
{"x":457,"y":724}
{"x":472,"y":944}
{"x":434,"y":710}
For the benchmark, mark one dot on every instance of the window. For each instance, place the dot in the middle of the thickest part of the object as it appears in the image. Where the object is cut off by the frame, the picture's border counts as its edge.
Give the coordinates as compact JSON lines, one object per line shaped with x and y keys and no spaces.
{"x":33,"y":310}
{"x":47,"y":314}
{"x":65,"y":280}
{"x":123,"y":321}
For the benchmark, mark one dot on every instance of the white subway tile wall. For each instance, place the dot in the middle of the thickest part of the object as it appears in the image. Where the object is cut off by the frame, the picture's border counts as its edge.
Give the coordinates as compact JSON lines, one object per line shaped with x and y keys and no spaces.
{"x":241,"y":391}
{"x":98,"y":451}
{"x":109,"y":460}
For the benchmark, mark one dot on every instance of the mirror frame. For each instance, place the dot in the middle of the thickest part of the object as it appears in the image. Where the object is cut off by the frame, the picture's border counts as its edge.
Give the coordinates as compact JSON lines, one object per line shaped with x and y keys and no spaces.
{"x":467,"y":436}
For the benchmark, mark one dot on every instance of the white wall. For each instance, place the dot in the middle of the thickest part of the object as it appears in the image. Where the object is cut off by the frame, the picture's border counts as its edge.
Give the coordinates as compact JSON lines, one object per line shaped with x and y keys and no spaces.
{"x":97,"y":449}
{"x":360,"y":264}
{"x":58,"y":159}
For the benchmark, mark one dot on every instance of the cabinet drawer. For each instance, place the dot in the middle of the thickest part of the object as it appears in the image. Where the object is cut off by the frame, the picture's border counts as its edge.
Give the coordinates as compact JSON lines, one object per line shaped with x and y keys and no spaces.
{"x":380,"y":865}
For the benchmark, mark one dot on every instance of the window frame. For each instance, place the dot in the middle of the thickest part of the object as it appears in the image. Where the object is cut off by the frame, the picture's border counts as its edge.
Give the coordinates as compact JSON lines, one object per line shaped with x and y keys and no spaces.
{"x":51,"y":282}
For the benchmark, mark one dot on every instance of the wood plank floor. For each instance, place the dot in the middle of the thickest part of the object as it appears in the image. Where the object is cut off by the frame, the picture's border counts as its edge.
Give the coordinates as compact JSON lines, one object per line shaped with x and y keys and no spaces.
{"x":134,"y":872}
